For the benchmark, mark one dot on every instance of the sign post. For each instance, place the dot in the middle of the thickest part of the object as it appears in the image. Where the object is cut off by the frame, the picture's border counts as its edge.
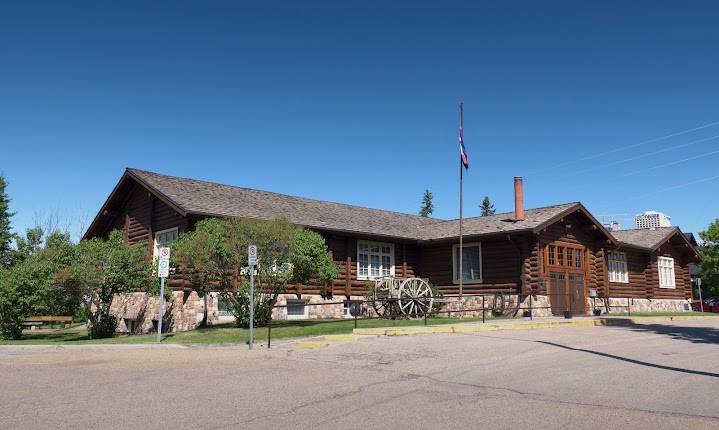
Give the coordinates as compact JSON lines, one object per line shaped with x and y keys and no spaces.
{"x":163,"y":271}
{"x":699,"y":286}
{"x":252,"y":261}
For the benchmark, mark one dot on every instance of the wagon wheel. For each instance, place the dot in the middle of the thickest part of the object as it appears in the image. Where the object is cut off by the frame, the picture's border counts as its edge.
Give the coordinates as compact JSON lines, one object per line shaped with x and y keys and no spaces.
{"x":382,"y":301}
{"x":415,"y":298}
{"x":498,"y":305}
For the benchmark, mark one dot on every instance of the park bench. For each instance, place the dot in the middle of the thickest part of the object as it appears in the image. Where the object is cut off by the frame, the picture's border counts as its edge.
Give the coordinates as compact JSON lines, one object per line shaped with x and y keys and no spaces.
{"x":34,"y":322}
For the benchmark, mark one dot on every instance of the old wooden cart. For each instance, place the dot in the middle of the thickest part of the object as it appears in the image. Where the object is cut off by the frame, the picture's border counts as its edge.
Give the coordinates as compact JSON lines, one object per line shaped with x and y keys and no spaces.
{"x":397,"y":297}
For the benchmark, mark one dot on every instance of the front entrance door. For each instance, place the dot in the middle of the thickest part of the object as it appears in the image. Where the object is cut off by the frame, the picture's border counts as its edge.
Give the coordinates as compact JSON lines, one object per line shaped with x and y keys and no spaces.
{"x":576,"y":293}
{"x":566,"y":292}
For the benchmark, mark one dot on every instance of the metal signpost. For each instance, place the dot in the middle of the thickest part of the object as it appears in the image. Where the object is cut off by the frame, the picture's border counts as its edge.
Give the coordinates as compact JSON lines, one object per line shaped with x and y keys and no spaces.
{"x":163,"y":271}
{"x":699,"y":286}
{"x":252,"y":261}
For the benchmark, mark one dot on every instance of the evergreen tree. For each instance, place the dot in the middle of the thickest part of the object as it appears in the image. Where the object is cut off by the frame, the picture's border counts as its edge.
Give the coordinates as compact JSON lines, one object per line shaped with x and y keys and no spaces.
{"x":6,"y":235}
{"x":487,"y":207}
{"x":427,"y":205}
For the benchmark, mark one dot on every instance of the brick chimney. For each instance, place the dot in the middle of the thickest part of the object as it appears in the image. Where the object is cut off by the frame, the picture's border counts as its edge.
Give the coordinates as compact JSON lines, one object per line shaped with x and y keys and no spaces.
{"x":518,"y":199}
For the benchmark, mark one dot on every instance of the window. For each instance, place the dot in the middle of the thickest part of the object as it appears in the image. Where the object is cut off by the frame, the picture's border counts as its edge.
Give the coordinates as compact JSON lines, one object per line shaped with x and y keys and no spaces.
{"x":374,"y":260}
{"x":570,"y":257}
{"x":297,"y":309}
{"x":666,"y":272}
{"x":222,"y":308}
{"x":164,"y":238}
{"x":471,"y":263}
{"x":560,"y":256}
{"x":617,"y":267}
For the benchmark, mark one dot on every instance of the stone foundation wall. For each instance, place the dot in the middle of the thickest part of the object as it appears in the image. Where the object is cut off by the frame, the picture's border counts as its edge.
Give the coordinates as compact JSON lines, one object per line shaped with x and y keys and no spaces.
{"x":642,"y":305}
{"x":137,"y":313}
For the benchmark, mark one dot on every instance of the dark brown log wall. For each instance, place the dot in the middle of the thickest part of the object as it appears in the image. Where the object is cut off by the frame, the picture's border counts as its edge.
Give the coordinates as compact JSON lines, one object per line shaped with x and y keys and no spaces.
{"x":143,"y":215}
{"x":502,"y":266}
{"x":637,"y":261}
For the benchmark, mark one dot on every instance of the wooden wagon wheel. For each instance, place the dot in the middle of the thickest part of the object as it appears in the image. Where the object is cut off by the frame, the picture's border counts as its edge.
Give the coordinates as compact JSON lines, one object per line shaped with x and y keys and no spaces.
{"x":382,"y":302}
{"x":415,"y":298}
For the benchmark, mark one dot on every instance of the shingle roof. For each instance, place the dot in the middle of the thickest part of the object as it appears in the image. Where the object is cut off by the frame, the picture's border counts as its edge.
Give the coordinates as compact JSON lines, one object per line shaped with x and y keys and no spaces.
{"x":208,"y":198}
{"x":644,"y":238}
{"x":497,"y":223}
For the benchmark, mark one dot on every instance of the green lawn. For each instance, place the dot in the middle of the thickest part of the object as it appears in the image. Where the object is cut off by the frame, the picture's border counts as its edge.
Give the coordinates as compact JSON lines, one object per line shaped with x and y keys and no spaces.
{"x":223,"y":334}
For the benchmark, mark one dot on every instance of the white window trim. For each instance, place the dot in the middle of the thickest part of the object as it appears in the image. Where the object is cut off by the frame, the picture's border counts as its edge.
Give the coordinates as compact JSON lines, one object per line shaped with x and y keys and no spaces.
{"x":455,"y":247}
{"x":622,"y":276}
{"x":305,"y":315}
{"x":391,"y":259}
{"x":669,"y":265}
{"x":156,"y":248}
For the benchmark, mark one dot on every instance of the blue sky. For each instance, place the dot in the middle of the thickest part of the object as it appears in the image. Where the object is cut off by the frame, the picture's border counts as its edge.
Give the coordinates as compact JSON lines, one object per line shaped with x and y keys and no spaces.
{"x":356,"y":102}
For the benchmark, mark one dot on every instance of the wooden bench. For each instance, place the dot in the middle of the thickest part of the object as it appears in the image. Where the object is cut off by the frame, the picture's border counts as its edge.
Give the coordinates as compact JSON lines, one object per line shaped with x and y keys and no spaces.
{"x":34,"y":322}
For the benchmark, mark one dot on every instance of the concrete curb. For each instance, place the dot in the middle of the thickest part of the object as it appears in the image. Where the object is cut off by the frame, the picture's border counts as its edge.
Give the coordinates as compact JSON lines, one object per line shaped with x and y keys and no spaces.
{"x":478,"y":327}
{"x":95,"y":346}
{"x":474,"y":327}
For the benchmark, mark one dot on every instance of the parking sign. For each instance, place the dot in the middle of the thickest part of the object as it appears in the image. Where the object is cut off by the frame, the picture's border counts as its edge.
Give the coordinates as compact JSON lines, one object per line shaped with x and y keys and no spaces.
{"x":252,"y":255}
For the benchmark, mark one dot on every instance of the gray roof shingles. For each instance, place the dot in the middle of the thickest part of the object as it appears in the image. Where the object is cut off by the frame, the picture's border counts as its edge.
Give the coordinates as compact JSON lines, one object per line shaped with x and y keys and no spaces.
{"x":644,"y":238}
{"x":208,"y":198}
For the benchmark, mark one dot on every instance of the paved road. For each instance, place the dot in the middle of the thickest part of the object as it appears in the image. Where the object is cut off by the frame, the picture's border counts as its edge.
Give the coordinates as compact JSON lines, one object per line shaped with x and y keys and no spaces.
{"x":654,"y":376}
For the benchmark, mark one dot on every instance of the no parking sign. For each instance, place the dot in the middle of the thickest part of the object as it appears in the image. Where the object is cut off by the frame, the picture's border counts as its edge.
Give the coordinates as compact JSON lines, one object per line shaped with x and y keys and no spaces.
{"x":163,"y":264}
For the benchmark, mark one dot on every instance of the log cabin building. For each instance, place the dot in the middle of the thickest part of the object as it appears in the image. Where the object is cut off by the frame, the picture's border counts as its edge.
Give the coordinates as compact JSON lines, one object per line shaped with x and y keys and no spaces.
{"x":558,"y":255}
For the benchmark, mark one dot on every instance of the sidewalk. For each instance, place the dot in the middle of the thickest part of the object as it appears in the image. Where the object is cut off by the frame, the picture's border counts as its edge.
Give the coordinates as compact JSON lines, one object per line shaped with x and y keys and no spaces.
{"x":522,"y":324}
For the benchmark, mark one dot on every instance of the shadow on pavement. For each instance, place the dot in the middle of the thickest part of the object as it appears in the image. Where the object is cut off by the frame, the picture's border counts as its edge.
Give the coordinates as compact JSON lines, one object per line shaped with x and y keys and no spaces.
{"x":692,"y":334}
{"x":631,"y":360}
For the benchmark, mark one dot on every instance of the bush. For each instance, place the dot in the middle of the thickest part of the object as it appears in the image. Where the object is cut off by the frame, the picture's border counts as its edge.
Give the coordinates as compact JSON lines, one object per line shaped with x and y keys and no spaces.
{"x":103,"y":328}
{"x":238,"y":303}
{"x":23,"y":292}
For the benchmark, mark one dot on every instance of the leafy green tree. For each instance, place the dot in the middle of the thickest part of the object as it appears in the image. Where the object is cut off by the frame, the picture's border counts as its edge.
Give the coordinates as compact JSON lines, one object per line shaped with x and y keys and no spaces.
{"x":215,"y":258}
{"x":24,"y":289}
{"x":33,"y":284}
{"x":28,"y":245}
{"x":487,"y":208}
{"x":427,"y":205}
{"x":709,"y":269}
{"x":105,"y":268}
{"x":206,"y":255}
{"x":6,"y":235}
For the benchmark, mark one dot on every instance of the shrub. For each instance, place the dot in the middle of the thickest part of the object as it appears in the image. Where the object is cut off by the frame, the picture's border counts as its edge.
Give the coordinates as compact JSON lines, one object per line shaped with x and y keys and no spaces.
{"x":238,"y":303}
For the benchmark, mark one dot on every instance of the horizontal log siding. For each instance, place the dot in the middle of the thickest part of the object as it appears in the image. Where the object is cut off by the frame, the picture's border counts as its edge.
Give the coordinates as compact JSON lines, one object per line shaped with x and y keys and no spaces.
{"x":682,"y":280}
{"x":344,"y":254}
{"x":501,"y":268}
{"x":636,"y":266}
{"x":139,"y":216}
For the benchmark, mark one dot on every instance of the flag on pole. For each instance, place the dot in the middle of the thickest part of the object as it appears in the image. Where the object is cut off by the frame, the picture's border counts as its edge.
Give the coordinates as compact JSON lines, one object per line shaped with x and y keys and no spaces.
{"x":463,"y":151}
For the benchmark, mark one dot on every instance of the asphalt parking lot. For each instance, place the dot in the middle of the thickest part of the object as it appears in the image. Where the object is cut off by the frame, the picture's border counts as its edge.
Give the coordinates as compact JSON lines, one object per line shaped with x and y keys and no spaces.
{"x":637,"y":377}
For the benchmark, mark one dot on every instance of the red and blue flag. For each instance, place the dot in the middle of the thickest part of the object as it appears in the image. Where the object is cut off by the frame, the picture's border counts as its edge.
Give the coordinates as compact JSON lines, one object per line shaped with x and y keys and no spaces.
{"x":463,"y":151}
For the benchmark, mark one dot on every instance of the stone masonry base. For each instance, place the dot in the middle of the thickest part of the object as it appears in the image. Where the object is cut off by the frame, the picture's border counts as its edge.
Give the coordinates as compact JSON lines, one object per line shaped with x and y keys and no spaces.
{"x":137,"y":312}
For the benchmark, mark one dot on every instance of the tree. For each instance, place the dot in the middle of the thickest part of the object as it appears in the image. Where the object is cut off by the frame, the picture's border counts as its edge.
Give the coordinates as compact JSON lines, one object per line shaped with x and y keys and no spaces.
{"x":32,"y":285}
{"x":206,"y":255}
{"x":103,"y":269}
{"x":487,"y":207}
{"x":215,"y":258}
{"x":6,"y":235}
{"x":427,"y":206}
{"x":709,"y":269}
{"x":23,"y":291}
{"x":27,"y":245}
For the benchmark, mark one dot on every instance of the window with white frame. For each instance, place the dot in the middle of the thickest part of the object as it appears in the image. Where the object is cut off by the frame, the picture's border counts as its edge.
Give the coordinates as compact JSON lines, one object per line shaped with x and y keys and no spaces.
{"x":666,"y":272}
{"x":374,"y":260}
{"x":471,"y":263}
{"x":297,"y":309}
{"x":617,"y":267}
{"x":164,"y":238}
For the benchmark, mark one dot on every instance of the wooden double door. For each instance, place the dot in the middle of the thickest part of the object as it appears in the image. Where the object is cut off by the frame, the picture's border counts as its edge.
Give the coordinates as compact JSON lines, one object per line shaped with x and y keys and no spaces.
{"x":567,"y":292}
{"x":565,"y":266}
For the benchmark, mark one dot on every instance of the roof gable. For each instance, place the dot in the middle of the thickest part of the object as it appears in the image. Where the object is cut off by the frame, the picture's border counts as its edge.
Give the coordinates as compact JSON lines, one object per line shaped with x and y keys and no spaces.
{"x":652,"y":239}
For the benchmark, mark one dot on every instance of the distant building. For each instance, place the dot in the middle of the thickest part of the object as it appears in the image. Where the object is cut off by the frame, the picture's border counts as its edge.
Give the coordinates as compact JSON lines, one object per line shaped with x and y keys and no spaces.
{"x":612,"y":226}
{"x":652,"y":219}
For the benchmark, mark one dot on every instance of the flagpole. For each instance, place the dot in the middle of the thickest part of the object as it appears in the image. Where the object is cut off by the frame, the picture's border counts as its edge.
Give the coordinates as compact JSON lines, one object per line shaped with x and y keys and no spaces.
{"x":461,"y":214}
